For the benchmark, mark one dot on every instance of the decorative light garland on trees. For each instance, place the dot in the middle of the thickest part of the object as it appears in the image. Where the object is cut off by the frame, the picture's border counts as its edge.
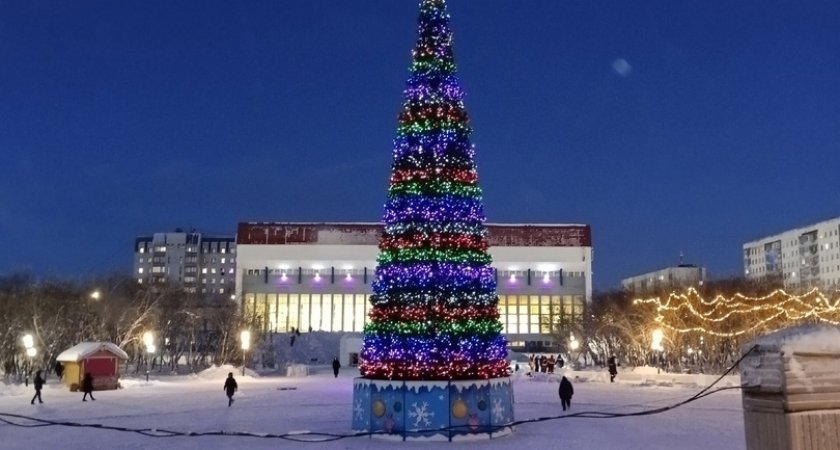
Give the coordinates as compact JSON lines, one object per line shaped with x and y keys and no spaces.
{"x":435,"y":314}
{"x":690,"y":312}
{"x":429,"y":297}
{"x":435,"y":240}
{"x":417,"y":208}
{"x":458,"y":255}
{"x":456,"y":175}
{"x":434,"y":188}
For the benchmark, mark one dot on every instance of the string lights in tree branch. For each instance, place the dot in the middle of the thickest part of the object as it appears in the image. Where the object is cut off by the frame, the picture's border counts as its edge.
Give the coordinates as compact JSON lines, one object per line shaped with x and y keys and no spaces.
{"x":739,"y":315}
{"x":435,"y":314}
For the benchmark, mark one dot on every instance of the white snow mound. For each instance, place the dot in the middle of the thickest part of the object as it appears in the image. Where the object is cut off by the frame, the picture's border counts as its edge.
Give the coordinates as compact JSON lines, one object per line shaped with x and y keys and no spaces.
{"x":221,"y":372}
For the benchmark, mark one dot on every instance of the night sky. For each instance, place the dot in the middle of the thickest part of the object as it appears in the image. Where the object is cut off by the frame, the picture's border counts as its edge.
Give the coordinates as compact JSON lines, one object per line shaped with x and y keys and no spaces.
{"x":667,"y":126}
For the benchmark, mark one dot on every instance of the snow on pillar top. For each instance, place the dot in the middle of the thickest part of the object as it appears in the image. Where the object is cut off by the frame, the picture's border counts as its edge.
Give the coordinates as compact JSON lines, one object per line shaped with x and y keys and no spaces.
{"x":796,"y":361}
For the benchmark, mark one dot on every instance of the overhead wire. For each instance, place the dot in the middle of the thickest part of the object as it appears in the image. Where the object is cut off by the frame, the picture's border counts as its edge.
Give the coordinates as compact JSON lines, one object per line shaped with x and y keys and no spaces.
{"x":20,"y":420}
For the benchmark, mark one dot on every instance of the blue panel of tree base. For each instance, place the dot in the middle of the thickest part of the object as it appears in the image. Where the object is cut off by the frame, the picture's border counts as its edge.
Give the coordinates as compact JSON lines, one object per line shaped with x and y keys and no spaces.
{"x":427,"y":410}
{"x":387,"y":408}
{"x":361,"y":406}
{"x":470,"y":408}
{"x":501,"y":404}
{"x":433,"y":410}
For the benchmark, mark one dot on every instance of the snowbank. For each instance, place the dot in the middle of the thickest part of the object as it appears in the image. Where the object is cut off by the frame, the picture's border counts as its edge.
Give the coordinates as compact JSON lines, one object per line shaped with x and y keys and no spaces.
{"x":134,"y":383}
{"x":14,"y":389}
{"x":221,"y":372}
{"x":297,"y":370}
{"x":638,"y":376}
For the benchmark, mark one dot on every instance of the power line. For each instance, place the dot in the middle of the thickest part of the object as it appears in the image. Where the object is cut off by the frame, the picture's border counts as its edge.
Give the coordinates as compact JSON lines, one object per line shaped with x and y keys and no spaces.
{"x":315,"y":437}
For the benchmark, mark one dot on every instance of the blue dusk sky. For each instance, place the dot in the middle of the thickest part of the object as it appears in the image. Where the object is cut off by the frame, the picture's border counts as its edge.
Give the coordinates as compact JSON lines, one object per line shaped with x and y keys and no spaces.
{"x":668,"y":126}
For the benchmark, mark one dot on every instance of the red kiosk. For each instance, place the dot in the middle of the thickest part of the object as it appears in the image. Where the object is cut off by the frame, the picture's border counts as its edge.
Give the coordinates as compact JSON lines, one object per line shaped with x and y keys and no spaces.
{"x":101,"y":359}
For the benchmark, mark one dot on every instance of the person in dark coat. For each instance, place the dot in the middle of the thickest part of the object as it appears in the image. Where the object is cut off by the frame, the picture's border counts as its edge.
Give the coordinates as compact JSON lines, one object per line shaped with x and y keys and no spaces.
{"x":38,"y":382}
{"x":336,"y":365}
{"x":613,"y":368}
{"x":59,"y":369}
{"x":87,"y":387}
{"x":230,"y":387}
{"x":566,"y":391}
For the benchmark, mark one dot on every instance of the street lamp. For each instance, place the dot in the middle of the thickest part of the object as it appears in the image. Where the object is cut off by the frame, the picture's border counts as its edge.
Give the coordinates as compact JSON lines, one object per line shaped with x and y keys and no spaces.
{"x":574,"y":345}
{"x":29,"y":344}
{"x":245,"y":338}
{"x":95,"y":295}
{"x":149,"y":340}
{"x":656,"y":345}
{"x":30,"y":352}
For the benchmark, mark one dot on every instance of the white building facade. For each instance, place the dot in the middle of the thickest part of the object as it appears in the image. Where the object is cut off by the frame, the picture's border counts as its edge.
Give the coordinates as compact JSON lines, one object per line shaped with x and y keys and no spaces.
{"x":198,"y":263}
{"x":318,"y":276}
{"x":683,"y":275}
{"x":803,"y":258}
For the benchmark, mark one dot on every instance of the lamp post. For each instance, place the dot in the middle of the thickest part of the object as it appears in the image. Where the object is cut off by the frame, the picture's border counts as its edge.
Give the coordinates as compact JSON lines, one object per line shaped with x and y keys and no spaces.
{"x":574,"y":345}
{"x":245,"y":338}
{"x":30,"y":352}
{"x":149,"y":340}
{"x":29,"y":344}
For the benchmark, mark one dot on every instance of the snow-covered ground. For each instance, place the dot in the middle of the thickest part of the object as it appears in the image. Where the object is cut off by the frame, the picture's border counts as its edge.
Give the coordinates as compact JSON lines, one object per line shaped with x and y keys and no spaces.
{"x":321,"y":403}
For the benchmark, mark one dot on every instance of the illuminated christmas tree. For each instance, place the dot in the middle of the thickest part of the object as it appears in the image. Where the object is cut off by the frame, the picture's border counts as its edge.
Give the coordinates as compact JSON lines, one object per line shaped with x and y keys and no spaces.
{"x":435,"y":314}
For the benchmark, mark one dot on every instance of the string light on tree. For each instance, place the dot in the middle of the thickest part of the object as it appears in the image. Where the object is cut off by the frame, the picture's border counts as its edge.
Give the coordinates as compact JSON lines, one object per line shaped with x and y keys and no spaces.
{"x":740,"y":314}
{"x":435,"y":314}
{"x":656,"y":340}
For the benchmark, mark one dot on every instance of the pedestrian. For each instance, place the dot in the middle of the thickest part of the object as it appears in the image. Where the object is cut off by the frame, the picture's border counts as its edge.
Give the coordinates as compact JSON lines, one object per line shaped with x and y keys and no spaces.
{"x":566,"y":391}
{"x":560,"y":361}
{"x":230,"y":387}
{"x":613,"y":368}
{"x":59,"y":369}
{"x":336,"y":365}
{"x":7,"y":370}
{"x":87,"y":387}
{"x":39,"y":383}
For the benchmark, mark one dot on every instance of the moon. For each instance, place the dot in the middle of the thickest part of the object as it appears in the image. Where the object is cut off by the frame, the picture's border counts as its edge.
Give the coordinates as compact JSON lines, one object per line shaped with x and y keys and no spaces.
{"x":622,"y":67}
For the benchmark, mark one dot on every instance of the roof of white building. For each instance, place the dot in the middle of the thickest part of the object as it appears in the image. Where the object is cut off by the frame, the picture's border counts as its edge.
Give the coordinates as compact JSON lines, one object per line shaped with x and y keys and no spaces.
{"x":82,"y":350}
{"x":804,"y":228}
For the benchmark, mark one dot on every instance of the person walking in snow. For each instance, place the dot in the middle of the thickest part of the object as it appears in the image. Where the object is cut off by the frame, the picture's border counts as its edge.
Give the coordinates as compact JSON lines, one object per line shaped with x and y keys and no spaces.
{"x":613,"y":368}
{"x":87,"y":387}
{"x":230,"y":387}
{"x":59,"y":369}
{"x":336,"y":365}
{"x":38,"y":382}
{"x":566,"y":391}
